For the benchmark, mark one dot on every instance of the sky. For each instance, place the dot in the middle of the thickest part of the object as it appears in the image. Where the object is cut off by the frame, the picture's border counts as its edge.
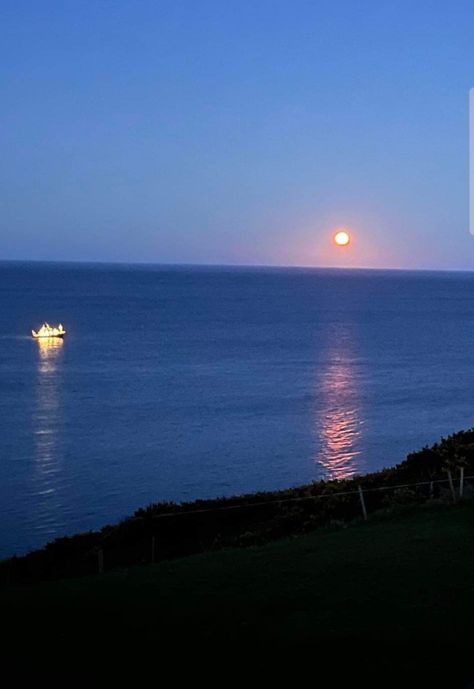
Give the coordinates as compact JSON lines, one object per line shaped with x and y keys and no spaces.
{"x":236,"y":132}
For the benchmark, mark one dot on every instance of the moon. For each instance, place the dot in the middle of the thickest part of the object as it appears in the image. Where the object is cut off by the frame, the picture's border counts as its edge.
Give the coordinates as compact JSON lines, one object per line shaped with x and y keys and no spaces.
{"x":342,"y":238}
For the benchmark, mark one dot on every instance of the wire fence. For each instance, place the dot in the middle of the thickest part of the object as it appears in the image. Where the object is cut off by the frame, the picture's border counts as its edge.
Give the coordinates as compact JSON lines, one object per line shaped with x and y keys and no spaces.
{"x":456,"y":489}
{"x":360,"y":492}
{"x":149,"y":537}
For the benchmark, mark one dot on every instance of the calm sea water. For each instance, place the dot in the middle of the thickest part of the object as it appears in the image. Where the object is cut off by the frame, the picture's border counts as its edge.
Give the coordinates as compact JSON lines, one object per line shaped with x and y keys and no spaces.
{"x":178,"y":383}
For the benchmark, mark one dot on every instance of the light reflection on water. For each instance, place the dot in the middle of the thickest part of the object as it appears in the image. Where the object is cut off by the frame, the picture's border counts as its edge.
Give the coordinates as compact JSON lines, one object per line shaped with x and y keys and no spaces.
{"x":243,"y":380}
{"x":338,"y":425}
{"x":46,"y":419}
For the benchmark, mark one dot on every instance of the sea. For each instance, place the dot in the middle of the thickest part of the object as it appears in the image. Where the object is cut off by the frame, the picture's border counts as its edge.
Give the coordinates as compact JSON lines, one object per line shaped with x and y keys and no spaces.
{"x":182,"y":382}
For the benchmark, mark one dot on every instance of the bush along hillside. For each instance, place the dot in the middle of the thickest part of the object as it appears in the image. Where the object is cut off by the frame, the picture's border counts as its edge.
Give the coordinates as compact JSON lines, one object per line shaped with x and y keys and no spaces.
{"x":169,"y":530}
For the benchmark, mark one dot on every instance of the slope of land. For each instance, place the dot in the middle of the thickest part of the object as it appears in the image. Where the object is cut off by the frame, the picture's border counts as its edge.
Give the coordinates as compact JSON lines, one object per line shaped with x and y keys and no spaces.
{"x":167,"y":530}
{"x":390,"y":600}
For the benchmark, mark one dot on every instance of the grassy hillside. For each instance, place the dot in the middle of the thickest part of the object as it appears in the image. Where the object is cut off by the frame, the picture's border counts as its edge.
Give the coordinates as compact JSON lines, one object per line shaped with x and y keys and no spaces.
{"x":170,"y":530}
{"x":389,"y":602}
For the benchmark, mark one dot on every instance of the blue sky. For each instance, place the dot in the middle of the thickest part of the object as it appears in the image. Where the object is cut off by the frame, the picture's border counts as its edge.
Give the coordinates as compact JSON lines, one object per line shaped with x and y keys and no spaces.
{"x":236,"y":132}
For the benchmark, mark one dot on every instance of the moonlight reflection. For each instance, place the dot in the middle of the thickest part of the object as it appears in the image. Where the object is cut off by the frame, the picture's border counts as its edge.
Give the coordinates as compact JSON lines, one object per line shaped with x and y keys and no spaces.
{"x":339,"y":424}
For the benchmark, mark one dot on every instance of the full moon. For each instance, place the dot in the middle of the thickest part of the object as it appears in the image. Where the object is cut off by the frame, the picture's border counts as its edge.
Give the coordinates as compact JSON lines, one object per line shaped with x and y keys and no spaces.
{"x":342,"y":238}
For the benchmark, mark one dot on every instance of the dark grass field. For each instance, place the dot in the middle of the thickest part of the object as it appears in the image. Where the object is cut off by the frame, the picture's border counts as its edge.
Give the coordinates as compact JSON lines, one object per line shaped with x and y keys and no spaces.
{"x":389,"y":602}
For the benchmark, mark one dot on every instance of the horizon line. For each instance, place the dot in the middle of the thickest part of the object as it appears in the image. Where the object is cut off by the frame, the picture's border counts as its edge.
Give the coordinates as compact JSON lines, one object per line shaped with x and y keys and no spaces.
{"x":233,"y":265}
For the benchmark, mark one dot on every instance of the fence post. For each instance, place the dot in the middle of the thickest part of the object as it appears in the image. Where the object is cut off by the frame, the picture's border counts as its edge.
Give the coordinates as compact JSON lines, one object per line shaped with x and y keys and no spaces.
{"x":100,"y":561}
{"x":461,"y":483}
{"x":431,"y":490}
{"x":451,"y":485}
{"x":362,"y":502}
{"x":153,"y":543}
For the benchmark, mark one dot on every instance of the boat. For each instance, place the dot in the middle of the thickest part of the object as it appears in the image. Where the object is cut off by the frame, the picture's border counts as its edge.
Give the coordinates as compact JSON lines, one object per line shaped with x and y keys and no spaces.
{"x":47,"y":331}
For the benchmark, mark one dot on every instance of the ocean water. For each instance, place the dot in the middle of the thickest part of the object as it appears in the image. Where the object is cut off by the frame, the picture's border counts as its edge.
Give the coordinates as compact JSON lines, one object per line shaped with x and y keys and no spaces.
{"x":186,"y":382}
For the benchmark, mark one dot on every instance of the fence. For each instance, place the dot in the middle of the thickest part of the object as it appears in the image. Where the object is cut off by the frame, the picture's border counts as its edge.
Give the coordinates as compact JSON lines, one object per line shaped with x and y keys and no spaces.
{"x":361,"y":493}
{"x":150,"y":537}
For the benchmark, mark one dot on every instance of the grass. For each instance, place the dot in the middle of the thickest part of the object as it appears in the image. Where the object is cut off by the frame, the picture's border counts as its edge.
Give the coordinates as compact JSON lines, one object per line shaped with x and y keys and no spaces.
{"x":390,"y":600}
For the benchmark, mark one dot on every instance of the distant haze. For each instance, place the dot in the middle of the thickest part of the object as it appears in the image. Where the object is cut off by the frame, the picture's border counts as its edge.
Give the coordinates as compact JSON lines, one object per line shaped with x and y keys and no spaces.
{"x":236,"y":132}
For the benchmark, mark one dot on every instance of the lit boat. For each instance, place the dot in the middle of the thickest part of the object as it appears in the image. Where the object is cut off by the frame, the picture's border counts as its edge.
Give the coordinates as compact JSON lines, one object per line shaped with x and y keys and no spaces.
{"x":47,"y":330}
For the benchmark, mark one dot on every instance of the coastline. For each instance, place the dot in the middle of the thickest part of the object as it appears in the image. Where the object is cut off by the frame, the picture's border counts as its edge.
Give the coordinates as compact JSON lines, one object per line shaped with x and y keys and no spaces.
{"x":169,"y":530}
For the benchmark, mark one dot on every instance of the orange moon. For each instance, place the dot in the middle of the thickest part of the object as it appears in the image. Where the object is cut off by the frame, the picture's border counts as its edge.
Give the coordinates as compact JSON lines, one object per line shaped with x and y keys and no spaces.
{"x":342,"y":238}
